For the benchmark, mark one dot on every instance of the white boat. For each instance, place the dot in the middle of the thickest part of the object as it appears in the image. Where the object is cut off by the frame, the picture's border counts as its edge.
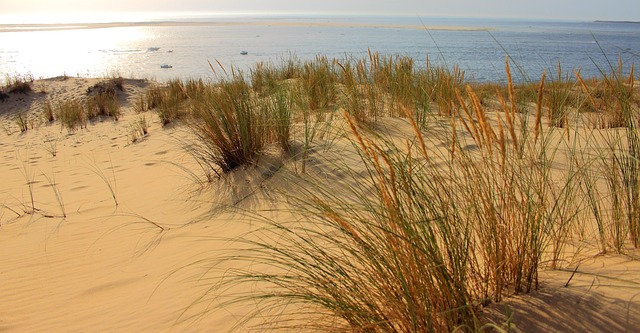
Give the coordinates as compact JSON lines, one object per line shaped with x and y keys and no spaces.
{"x":166,"y":66}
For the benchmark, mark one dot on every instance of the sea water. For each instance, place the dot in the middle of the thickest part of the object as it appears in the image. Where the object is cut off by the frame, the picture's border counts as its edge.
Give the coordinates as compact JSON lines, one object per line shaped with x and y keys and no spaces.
{"x":477,"y":46}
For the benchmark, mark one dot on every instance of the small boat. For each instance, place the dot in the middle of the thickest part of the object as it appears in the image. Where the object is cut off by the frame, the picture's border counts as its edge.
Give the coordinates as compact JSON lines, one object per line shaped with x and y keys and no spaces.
{"x":244,"y":52}
{"x":152,"y":49}
{"x":166,"y":66}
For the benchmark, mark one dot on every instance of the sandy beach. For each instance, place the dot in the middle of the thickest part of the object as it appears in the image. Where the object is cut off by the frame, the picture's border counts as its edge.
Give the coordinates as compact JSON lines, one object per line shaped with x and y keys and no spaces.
{"x":102,"y":234}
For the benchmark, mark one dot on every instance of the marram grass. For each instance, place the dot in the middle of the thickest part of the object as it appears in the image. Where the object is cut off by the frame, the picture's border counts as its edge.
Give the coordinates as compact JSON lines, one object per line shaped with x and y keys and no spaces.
{"x":416,"y":234}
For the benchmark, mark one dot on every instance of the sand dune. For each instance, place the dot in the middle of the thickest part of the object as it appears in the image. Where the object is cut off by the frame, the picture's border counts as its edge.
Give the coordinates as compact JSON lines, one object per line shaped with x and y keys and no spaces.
{"x":132,"y":251}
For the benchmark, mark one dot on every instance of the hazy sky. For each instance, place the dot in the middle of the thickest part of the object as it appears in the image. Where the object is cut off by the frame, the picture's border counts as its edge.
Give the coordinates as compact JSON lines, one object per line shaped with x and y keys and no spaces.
{"x":546,"y":9}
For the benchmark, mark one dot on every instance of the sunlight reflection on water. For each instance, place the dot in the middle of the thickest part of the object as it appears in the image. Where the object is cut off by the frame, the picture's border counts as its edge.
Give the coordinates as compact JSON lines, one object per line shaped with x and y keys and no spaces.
{"x":72,"y":52}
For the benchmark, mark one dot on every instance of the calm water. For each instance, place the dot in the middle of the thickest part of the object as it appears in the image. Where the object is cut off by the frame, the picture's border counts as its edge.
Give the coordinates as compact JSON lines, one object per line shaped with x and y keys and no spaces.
{"x":129,"y":51}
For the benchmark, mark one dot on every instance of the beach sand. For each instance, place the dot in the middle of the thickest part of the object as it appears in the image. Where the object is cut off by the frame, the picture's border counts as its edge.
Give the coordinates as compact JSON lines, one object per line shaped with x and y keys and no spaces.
{"x":122,"y":234}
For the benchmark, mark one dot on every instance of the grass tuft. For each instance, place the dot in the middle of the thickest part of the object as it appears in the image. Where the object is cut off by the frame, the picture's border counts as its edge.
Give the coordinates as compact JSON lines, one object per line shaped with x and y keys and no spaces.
{"x":230,"y":124}
{"x":19,"y":84}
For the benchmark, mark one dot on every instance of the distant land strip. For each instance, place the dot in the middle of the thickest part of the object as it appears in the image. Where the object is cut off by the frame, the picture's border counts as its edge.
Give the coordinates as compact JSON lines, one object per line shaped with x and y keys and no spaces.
{"x":632,"y":22}
{"x":75,"y":26}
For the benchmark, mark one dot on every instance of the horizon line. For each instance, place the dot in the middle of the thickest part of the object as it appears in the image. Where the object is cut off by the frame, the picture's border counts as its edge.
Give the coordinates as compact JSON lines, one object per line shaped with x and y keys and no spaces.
{"x":71,"y":17}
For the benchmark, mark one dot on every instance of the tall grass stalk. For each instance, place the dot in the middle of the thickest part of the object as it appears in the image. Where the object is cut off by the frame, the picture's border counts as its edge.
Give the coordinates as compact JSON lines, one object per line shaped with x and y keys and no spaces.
{"x":29,"y":179}
{"x":56,"y":192}
{"x":22,"y":122}
{"x":110,"y":182}
{"x":51,"y":146}
{"x":49,"y":111}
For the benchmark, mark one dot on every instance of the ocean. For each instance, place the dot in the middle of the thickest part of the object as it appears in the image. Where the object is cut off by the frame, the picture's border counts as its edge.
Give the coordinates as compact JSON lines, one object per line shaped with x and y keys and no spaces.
{"x":188,"y":44}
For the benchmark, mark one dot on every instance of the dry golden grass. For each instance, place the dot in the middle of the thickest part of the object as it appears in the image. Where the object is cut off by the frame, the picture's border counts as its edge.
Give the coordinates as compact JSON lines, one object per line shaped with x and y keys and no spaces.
{"x":465,"y":211}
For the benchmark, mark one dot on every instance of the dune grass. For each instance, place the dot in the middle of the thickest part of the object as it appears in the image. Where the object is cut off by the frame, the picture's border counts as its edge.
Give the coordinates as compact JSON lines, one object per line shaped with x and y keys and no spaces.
{"x":418,"y":234}
{"x":22,"y":121}
{"x":18,"y":84}
{"x":49,"y":111}
{"x":615,"y":97}
{"x":309,"y":91}
{"x":138,"y":129}
{"x":489,"y":184}
{"x":101,"y":100}
{"x":72,"y":115}
{"x":231,"y":124}
{"x":414,"y":230}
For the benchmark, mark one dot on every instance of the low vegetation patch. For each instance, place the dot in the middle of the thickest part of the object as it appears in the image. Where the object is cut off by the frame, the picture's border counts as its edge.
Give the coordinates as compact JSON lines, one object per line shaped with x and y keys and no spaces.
{"x":107,"y":87}
{"x":72,"y":115}
{"x":139,"y":129}
{"x":19,"y":84}
{"x":418,"y":233}
{"x":103,"y":100}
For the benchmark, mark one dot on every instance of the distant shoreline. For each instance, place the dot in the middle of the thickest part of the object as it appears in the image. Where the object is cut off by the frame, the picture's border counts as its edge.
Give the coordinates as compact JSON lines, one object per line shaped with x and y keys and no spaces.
{"x":627,"y":22}
{"x":78,"y":26}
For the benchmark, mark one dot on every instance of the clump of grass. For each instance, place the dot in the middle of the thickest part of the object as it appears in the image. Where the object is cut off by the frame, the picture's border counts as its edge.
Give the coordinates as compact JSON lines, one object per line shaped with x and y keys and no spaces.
{"x":171,"y":109}
{"x":172,"y":102}
{"x":103,"y":105}
{"x":195,"y":89}
{"x":72,"y":115}
{"x":414,"y":236}
{"x":400,"y":249}
{"x":559,"y":98}
{"x":154,"y":97}
{"x":138,"y":129}
{"x":19,"y":84}
{"x":103,"y":99}
{"x":22,"y":121}
{"x":231,"y":126}
{"x":279,"y":108}
{"x":613,"y":101}
{"x":352,"y":95}
{"x":318,"y":83}
{"x":177,"y":88}
{"x":441,"y":85}
{"x":140,"y":105}
{"x":264,"y":78}
{"x":420,"y":234}
{"x":624,"y":160}
{"x":49,"y":111}
{"x":107,"y":87}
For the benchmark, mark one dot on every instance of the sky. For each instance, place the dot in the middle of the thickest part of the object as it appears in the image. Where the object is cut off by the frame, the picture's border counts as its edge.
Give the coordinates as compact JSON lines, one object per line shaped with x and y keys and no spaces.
{"x":584,"y":10}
